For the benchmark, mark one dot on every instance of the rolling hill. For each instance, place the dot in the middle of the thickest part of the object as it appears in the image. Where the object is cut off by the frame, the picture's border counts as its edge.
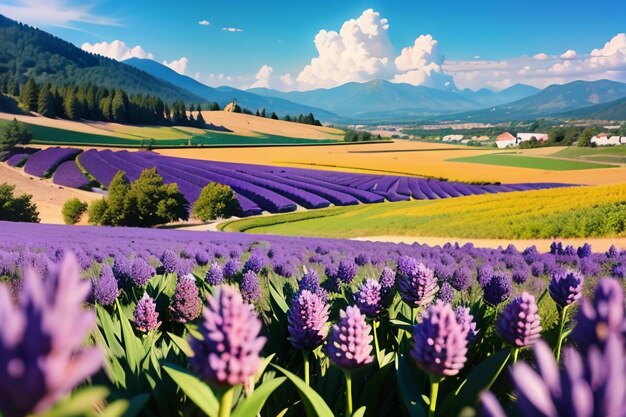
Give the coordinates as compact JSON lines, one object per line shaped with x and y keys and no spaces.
{"x":26,"y":51}
{"x":557,"y":99}
{"x":614,"y":110}
{"x":224,"y":95}
{"x":379,"y":99}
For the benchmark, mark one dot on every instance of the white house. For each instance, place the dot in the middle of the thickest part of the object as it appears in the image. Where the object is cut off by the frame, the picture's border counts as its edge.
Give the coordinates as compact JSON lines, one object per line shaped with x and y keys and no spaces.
{"x":523,"y":137}
{"x":452,"y":138}
{"x":506,"y":140}
{"x":604,"y":139}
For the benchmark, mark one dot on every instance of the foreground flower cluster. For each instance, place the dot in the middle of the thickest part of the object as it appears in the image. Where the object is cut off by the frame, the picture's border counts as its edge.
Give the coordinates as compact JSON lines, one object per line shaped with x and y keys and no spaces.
{"x":265,"y":324}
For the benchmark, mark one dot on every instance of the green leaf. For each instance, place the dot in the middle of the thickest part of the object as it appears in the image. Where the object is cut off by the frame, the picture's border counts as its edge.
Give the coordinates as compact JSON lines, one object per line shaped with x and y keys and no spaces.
{"x":111,"y":331}
{"x":197,"y":391}
{"x":479,"y":379}
{"x":80,"y":403}
{"x":131,"y":344}
{"x":280,"y":301}
{"x":314,"y":404}
{"x":375,"y":387}
{"x":359,"y":413}
{"x":252,"y":405}
{"x":409,"y":389}
{"x":181,"y":343}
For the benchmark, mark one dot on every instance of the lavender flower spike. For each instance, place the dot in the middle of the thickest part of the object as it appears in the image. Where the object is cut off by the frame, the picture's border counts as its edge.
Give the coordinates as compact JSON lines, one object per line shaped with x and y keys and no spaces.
{"x":42,"y":356}
{"x":215,"y":274}
{"x":519,"y":324}
{"x":440,"y":342}
{"x":307,"y":321}
{"x":350,"y":342}
{"x":228,"y":353}
{"x":146,"y":316}
{"x":566,"y":287}
{"x":186,"y":304}
{"x":250,"y":287}
{"x":105,"y":289}
{"x":369,"y":298}
{"x":416,"y":282}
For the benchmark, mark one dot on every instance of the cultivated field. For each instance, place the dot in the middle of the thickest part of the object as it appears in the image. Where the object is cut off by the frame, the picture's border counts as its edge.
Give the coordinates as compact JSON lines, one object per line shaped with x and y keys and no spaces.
{"x":410,"y":158}
{"x":564,"y":212}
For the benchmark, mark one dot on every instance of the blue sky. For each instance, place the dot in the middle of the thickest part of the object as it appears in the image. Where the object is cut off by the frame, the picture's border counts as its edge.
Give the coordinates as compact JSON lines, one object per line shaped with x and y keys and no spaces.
{"x":280,"y":35}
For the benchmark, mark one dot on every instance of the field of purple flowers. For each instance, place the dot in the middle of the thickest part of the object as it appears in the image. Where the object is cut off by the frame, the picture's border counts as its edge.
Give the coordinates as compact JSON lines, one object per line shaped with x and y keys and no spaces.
{"x":120,"y":321}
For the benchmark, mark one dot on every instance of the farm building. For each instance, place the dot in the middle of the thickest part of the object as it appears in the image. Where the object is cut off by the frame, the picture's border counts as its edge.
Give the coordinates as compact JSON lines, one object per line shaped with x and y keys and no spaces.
{"x":523,"y":137}
{"x":452,"y":138}
{"x":505,"y":140}
{"x":603,"y":139}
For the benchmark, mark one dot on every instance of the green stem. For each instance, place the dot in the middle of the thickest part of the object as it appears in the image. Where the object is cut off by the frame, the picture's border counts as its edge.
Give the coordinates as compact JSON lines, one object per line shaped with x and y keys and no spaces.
{"x":226,"y":402}
{"x":497,"y":374}
{"x":515,"y":354}
{"x":348,"y":393}
{"x":305,"y":355}
{"x":559,"y":342}
{"x":434,"y":390}
{"x":375,"y":325}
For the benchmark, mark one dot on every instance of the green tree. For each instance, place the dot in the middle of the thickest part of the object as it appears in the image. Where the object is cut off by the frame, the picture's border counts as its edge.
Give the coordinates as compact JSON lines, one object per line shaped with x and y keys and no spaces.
{"x":215,"y":201}
{"x":17,"y":208}
{"x":118,"y":107}
{"x":70,"y":106}
{"x":30,"y":95}
{"x":200,"y":122}
{"x":98,"y":212}
{"x":15,"y":133}
{"x":585,"y":137}
{"x":274,"y":116}
{"x":72,"y":210}
{"x":45,"y":102}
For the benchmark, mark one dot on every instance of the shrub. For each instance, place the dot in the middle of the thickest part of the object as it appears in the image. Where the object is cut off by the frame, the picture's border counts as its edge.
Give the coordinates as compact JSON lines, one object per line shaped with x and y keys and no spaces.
{"x":215,"y":201}
{"x":97,"y":212}
{"x":16,"y":133}
{"x":17,"y":208}
{"x":72,"y":211}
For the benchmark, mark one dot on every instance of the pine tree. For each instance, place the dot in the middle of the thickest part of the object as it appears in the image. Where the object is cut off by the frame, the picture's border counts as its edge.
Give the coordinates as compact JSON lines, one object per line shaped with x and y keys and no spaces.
{"x":200,"y":120}
{"x":274,"y":116}
{"x":263,"y":112}
{"x":30,"y":95}
{"x":105,"y":108}
{"x":45,"y":102}
{"x":118,"y":107}
{"x":69,"y":103}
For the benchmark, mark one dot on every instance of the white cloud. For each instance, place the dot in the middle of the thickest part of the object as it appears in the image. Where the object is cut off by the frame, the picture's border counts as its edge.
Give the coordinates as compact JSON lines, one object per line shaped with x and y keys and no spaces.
{"x":360,"y":51}
{"x":232,"y":29}
{"x":178,"y":65}
{"x":569,"y":54}
{"x":422,"y":65}
{"x":541,"y":56}
{"x":52,"y":13}
{"x":117,"y":50}
{"x":204,"y":23}
{"x":265,"y":78}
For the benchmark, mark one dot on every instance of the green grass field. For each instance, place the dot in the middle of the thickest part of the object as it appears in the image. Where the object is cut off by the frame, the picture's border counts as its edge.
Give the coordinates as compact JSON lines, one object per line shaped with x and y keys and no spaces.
{"x":53,"y":136}
{"x":615,"y":154}
{"x":534,"y":162}
{"x":598,"y":211}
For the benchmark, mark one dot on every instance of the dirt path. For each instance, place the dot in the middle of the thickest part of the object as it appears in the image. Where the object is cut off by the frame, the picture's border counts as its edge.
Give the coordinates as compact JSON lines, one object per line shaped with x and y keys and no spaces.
{"x":598,"y":244}
{"x":48,"y":197}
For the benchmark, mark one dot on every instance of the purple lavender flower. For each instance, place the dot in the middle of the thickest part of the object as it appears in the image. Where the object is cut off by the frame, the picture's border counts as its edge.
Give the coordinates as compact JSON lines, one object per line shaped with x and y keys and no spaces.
{"x":215,"y":276}
{"x":497,"y":289}
{"x":566,"y":287}
{"x":250,"y":287}
{"x":169,"y":260}
{"x":520,"y":273}
{"x":439,"y":341}
{"x":307,"y":321}
{"x":228,"y":353}
{"x":387,"y":279}
{"x":416,"y":282}
{"x":362,"y":259}
{"x":350,"y":341}
{"x":42,"y":355}
{"x":461,"y":279}
{"x":519,"y":324}
{"x":592,"y":386}
{"x":255,"y":263}
{"x":347,"y":271}
{"x":584,"y":251}
{"x":146,"y":316}
{"x":446,"y":293}
{"x":202,"y":258}
{"x":369,"y":298}
{"x":612,"y":252}
{"x":618,"y":271}
{"x":105,"y":288}
{"x":141,"y":272}
{"x":232,"y":268}
{"x":122,"y":268}
{"x":309,"y":281}
{"x":186,"y":304}
{"x":484,"y":273}
{"x":466,"y":320}
{"x":537,"y":268}
{"x":185,"y":266}
{"x":597,"y":320}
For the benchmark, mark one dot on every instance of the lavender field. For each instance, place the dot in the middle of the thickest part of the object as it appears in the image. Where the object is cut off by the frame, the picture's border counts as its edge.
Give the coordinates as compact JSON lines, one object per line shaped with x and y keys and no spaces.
{"x":159,"y":322}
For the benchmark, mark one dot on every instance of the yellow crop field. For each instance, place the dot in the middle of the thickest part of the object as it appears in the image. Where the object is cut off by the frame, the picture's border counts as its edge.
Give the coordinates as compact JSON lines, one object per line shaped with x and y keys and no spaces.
{"x":598,"y":211}
{"x":409,"y":158}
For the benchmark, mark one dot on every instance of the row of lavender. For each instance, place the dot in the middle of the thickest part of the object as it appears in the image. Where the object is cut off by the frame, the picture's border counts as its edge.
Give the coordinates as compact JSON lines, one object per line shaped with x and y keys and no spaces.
{"x":276,"y":189}
{"x":416,"y":329}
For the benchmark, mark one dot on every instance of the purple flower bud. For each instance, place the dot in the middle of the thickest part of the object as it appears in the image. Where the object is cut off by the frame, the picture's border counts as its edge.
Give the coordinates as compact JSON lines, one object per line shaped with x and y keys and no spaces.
{"x":612,"y":252}
{"x":185,"y":266}
{"x":169,"y":260}
{"x":186,"y":304}
{"x":215,"y":276}
{"x":461,"y":279}
{"x":202,"y":258}
{"x":250,"y":287}
{"x":597,"y":320}
{"x":255,"y":263}
{"x":105,"y":288}
{"x":309,"y":281}
{"x":369,"y":298}
{"x":446,"y":293}
{"x":387,"y":279}
{"x":232,"y":268}
{"x":141,"y":272}
{"x":42,"y":355}
{"x":618,"y":271}
{"x":228,"y":353}
{"x":307,"y":321}
{"x":484,"y":274}
{"x":497,"y":289}
{"x":347,"y":271}
{"x":519,"y":324}
{"x":349,"y":344}
{"x":122,"y":268}
{"x":362,"y":259}
{"x":146,"y":316}
{"x":584,"y":251}
{"x":466,"y":320}
{"x":439,"y":341}
{"x":416,"y":282}
{"x":566,"y":287}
